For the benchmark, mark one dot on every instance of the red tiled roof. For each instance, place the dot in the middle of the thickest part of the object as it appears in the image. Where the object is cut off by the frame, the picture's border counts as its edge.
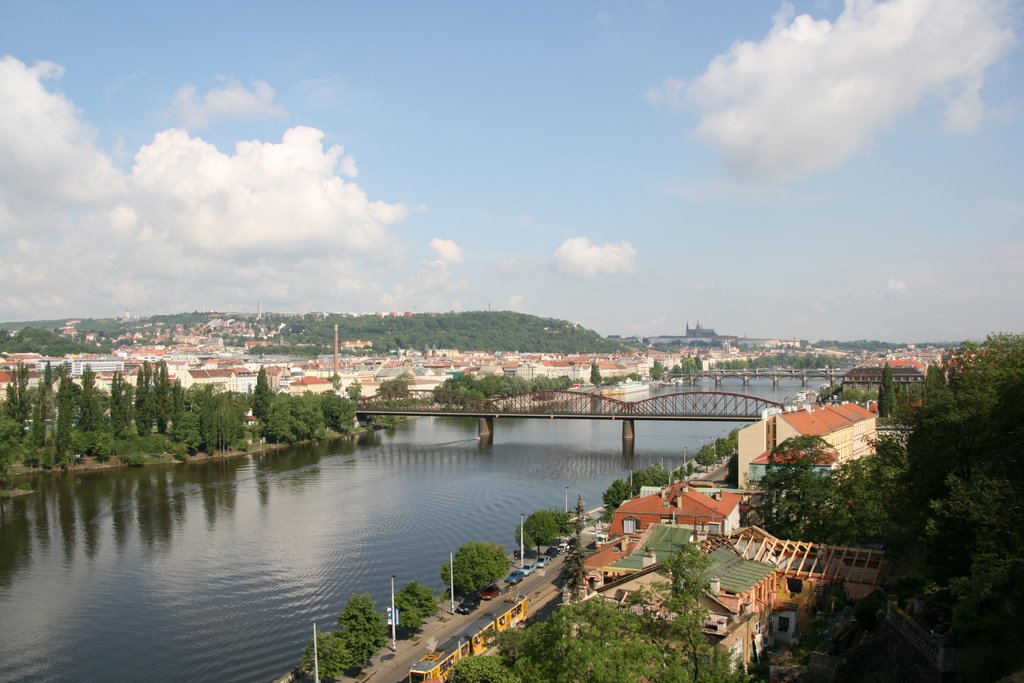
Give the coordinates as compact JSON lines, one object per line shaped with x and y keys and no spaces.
{"x":823,"y":458}
{"x":825,"y":420}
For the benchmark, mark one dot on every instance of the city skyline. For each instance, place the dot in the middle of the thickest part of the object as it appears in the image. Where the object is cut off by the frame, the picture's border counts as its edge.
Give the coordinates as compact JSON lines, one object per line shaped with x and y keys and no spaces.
{"x":814,"y":170}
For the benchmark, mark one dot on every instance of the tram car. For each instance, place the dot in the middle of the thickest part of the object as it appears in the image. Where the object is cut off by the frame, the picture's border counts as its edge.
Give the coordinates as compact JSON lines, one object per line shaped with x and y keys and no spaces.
{"x":478,"y":637}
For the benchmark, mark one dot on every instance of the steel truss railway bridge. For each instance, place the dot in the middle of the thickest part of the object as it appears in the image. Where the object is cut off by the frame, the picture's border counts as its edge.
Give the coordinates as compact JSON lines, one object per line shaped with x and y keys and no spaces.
{"x":745,"y":376}
{"x":708,"y":406}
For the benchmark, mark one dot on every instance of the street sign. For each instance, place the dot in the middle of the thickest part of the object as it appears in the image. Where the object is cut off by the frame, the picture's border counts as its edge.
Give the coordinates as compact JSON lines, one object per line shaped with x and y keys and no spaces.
{"x":398,"y":616}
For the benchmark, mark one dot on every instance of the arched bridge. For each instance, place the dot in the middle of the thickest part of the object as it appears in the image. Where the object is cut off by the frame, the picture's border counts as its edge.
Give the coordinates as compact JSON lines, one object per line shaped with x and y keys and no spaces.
{"x":573,"y":405}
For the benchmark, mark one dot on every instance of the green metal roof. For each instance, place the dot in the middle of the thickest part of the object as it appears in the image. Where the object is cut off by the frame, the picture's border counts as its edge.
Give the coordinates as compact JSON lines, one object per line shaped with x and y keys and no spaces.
{"x":735,"y":573}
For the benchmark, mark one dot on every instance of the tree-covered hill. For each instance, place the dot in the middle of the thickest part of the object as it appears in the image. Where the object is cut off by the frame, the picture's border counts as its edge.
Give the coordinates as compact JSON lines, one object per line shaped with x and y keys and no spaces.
{"x":45,"y":342}
{"x":474,"y":330}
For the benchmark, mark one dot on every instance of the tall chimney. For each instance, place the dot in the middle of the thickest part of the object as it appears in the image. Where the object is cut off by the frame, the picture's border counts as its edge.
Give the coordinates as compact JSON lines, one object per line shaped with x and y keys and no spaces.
{"x":716,"y":586}
{"x":335,"y":348}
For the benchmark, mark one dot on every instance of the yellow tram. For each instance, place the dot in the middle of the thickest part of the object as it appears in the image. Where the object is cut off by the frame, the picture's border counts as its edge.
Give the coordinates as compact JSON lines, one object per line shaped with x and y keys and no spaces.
{"x":476,"y":639}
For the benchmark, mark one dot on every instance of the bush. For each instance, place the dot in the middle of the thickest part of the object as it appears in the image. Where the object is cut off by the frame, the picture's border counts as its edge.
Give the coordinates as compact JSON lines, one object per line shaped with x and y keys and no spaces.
{"x":133,"y":459}
{"x":866,"y":611}
{"x":24,"y":486}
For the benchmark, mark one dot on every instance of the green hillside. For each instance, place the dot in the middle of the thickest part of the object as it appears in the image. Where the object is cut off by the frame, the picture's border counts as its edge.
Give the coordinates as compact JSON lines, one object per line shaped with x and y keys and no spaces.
{"x":475,"y":330}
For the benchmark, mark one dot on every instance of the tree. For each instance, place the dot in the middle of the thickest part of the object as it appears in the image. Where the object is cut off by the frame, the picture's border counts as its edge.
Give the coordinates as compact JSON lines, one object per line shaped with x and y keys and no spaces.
{"x":575,"y":571}
{"x":491,"y":669}
{"x":143,"y":400}
{"x":18,"y":406}
{"x":397,"y":385}
{"x":362,"y":629}
{"x":90,"y":410}
{"x":797,"y":501}
{"x":657,"y":370}
{"x":120,"y":406}
{"x":595,"y":374}
{"x":354,"y":391}
{"x":541,"y":527}
{"x":887,"y":393}
{"x":261,"y":398}
{"x":11,"y":447}
{"x":416,"y":603}
{"x":161,"y":398}
{"x":66,"y":403}
{"x":477,"y":564}
{"x":41,"y":414}
{"x":593,"y":641}
{"x":333,"y":656}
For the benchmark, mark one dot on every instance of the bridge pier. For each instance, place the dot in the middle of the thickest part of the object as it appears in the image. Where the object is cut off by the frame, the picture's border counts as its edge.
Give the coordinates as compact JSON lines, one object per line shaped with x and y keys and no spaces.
{"x":628,"y":431}
{"x":485,"y":430}
{"x":775,"y":381}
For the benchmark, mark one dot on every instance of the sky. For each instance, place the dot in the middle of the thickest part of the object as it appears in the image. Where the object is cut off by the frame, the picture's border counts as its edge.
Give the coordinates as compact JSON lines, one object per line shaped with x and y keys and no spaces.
{"x":818,"y":170}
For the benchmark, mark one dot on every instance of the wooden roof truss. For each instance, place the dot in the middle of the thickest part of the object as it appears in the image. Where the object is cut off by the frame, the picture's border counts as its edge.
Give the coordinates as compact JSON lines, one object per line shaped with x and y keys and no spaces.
{"x":804,"y":560}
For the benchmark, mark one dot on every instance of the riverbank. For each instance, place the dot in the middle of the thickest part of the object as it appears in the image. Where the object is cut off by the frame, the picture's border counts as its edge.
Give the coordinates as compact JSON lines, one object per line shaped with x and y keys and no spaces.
{"x":91,"y":463}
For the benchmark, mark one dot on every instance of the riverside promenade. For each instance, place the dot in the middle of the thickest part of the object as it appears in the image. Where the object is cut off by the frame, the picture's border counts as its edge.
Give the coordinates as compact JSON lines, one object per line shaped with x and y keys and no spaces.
{"x":543,"y":588}
{"x":540,"y":587}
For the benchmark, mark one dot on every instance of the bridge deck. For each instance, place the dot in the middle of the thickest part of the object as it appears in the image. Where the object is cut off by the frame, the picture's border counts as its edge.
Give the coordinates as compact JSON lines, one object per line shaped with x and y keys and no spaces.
{"x":685,"y":406}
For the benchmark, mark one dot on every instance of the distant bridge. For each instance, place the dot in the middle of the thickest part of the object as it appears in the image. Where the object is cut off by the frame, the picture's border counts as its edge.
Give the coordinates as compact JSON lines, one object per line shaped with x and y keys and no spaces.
{"x":709,"y":406}
{"x":775,"y":375}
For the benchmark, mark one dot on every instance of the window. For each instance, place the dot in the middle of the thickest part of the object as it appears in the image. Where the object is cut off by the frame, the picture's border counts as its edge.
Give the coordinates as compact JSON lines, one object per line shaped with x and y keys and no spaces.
{"x":629,"y":525}
{"x":784,"y":624}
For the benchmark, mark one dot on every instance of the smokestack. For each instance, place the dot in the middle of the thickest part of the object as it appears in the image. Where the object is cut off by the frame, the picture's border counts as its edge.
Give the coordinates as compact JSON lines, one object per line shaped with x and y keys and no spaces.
{"x":716,"y":586}
{"x":335,"y":349}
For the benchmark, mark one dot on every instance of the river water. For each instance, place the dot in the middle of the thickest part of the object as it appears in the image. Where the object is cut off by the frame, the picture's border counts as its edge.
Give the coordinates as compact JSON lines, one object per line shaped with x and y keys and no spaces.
{"x":217,"y":570}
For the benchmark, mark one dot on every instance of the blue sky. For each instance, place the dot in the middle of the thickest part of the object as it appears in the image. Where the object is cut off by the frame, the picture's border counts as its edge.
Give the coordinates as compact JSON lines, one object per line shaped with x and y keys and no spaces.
{"x":813,"y":170}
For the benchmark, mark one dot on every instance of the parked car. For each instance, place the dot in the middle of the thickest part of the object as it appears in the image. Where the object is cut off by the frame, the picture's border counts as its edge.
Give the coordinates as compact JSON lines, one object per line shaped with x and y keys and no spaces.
{"x":563,"y":546}
{"x":515,"y":577}
{"x":542,"y":562}
{"x":468,"y":604}
{"x":552,"y":552}
{"x":490,"y":591}
{"x":528,"y":569}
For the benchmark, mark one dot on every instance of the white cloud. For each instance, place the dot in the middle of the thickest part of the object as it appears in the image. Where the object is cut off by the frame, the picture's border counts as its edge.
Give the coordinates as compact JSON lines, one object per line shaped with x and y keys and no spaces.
{"x":812,"y":93}
{"x":895,"y":287}
{"x":447,"y":250}
{"x":232,"y":101}
{"x":188,"y":226}
{"x":579,"y":258}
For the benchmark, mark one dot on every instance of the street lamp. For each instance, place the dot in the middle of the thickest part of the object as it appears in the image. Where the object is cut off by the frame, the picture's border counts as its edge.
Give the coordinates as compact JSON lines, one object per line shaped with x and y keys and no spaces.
{"x":567,"y":499}
{"x":521,"y":515}
{"x":451,"y":579}
{"x":394,"y":641}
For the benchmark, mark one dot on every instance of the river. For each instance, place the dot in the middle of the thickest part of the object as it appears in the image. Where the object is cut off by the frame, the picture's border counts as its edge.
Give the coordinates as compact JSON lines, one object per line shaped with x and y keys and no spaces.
{"x":217,"y":570}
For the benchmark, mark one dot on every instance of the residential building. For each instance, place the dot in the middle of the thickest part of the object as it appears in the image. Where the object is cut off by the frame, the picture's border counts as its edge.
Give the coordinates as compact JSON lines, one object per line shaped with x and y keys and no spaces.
{"x":848,"y":428}
{"x":715,"y":513}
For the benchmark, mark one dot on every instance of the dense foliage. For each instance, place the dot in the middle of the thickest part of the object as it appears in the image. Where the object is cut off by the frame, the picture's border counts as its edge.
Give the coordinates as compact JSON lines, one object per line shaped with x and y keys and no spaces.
{"x":660,"y":639}
{"x":362,"y":632}
{"x":542,"y":527}
{"x":490,"y":330}
{"x":944,"y":495}
{"x":62,"y":418}
{"x":477,"y":564}
{"x":46,"y":343}
{"x":415,"y":604}
{"x":501,"y":385}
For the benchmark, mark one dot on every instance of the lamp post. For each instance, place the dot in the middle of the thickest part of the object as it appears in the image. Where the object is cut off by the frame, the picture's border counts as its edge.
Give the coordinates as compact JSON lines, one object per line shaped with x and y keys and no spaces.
{"x":567,"y":499}
{"x":521,"y":516}
{"x":394,"y":641}
{"x":316,"y":660}
{"x":451,"y":578}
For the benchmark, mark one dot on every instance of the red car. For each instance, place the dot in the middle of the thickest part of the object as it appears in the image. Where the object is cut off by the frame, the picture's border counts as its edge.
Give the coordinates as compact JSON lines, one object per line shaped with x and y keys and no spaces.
{"x":490,"y":592}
